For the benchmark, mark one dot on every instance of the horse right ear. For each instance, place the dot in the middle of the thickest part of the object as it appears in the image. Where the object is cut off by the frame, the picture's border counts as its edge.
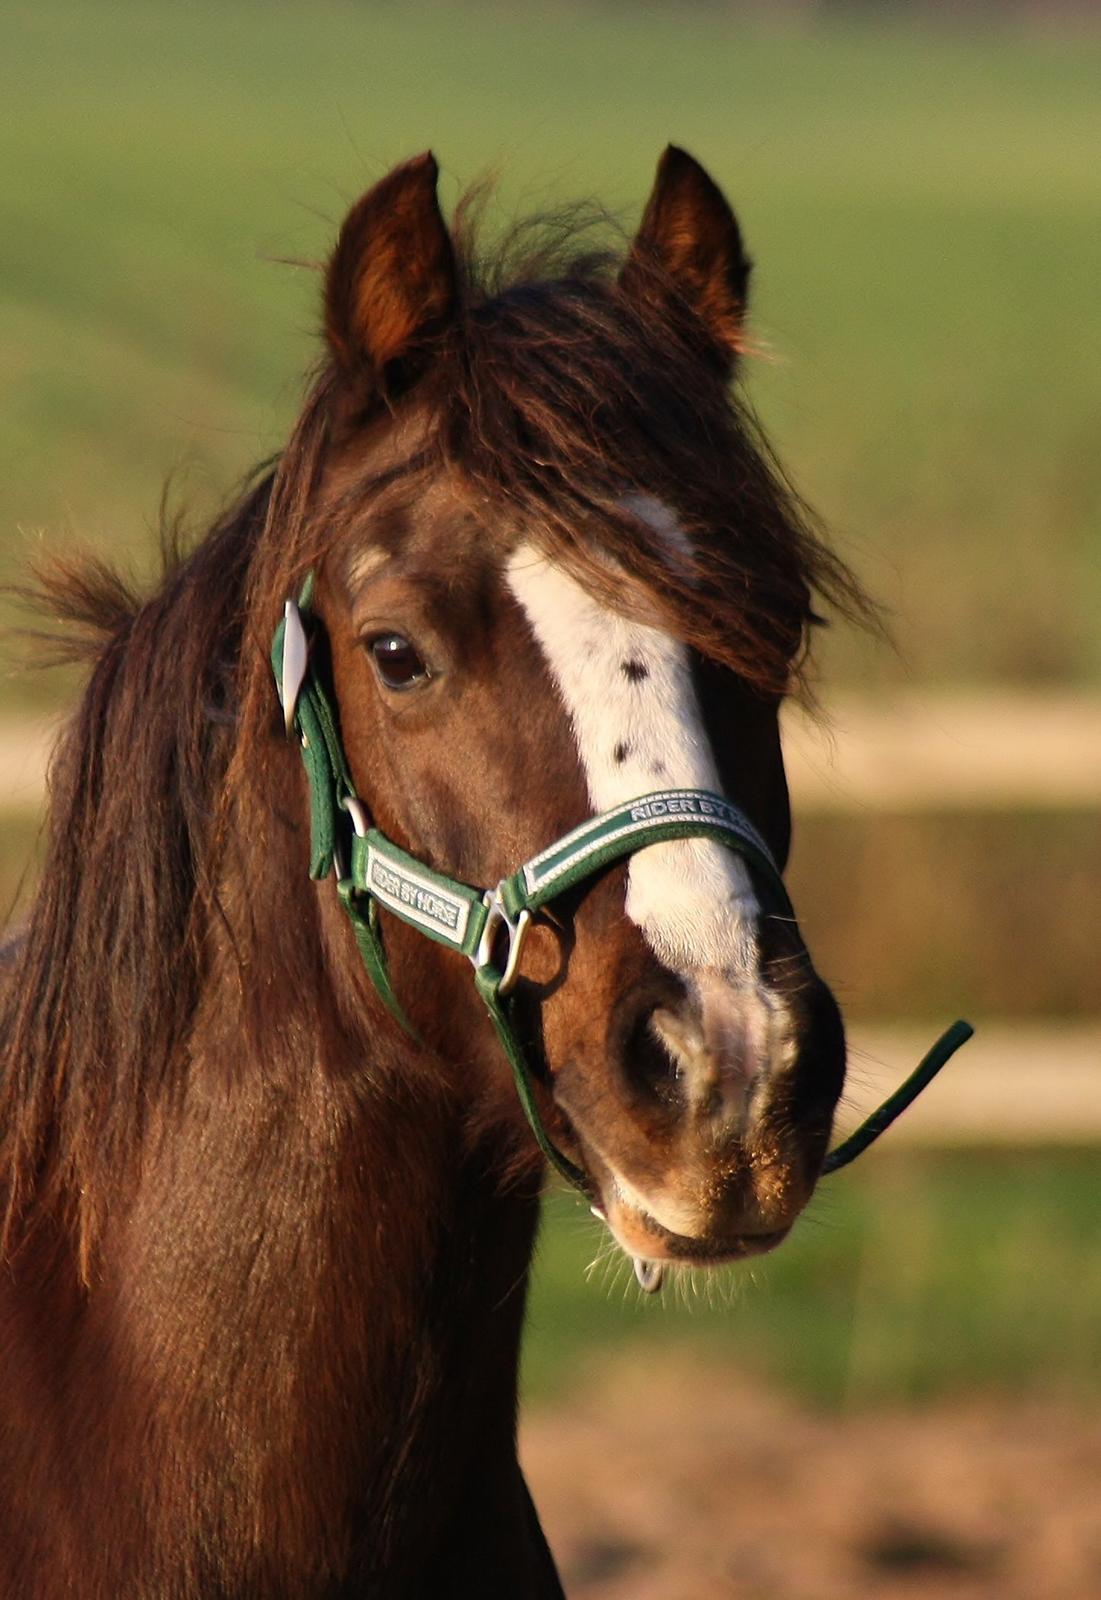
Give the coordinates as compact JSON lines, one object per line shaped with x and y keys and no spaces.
{"x":390,"y":289}
{"x":689,"y":247}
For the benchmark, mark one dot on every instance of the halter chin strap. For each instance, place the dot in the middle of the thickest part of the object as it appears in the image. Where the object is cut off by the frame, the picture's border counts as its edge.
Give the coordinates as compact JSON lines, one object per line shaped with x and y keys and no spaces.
{"x":371,"y":871}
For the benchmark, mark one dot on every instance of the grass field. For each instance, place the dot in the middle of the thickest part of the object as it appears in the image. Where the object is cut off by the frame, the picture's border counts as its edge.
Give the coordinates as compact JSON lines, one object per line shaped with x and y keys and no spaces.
{"x":912,"y":1275}
{"x":925,"y":209}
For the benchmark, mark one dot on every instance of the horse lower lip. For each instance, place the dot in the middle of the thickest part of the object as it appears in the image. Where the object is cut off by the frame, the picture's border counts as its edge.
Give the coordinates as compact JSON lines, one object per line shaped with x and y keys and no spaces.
{"x":704,"y":1252}
{"x":714,"y":1253}
{"x":644,"y":1238}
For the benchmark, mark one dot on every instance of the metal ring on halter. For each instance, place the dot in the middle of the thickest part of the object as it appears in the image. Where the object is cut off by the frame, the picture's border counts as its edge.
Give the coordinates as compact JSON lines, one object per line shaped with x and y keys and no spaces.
{"x":354,"y":807}
{"x":495,"y":916}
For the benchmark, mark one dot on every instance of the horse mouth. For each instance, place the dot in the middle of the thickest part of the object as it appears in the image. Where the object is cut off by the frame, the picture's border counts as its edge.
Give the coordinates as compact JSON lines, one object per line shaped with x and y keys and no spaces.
{"x":641,"y":1236}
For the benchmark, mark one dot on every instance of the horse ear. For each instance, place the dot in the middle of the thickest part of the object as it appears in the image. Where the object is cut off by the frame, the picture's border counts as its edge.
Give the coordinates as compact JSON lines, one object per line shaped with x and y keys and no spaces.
{"x":391,"y":282}
{"x":691,"y":237}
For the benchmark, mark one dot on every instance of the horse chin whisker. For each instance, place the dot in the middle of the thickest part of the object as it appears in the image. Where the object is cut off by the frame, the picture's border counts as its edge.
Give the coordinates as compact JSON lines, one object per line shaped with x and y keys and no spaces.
{"x":607,"y":1251}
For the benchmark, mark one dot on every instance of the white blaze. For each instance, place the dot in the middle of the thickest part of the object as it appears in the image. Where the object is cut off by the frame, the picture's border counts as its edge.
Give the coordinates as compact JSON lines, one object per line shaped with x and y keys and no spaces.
{"x":629,"y":693}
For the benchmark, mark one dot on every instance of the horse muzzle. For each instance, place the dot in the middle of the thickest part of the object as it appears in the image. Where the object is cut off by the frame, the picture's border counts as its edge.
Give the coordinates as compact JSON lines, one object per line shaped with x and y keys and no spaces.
{"x":704,"y":1126}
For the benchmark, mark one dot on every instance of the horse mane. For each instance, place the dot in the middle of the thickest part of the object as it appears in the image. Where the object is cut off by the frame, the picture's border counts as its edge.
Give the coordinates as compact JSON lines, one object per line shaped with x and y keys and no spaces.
{"x":107,"y":972}
{"x":549,"y":399}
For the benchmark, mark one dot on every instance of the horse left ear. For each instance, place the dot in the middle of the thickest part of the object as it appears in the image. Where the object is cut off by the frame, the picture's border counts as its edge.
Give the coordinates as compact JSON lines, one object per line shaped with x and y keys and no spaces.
{"x":690,"y":235}
{"x":391,"y":283}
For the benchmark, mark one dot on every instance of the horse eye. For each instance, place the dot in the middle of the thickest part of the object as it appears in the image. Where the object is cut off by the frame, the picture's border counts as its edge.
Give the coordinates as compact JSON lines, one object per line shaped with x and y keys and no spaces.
{"x":397,"y":662}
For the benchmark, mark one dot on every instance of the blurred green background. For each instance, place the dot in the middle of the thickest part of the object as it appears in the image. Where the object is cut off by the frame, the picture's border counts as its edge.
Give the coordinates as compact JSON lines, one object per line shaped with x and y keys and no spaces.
{"x":924,"y":205}
{"x":925,"y":209}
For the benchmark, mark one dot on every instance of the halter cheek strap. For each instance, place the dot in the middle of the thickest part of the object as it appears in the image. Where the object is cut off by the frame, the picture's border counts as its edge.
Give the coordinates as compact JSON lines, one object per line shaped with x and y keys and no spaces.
{"x":372,"y":871}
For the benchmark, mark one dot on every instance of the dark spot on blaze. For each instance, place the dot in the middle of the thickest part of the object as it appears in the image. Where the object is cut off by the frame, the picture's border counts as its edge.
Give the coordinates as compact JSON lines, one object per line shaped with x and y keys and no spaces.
{"x":659,"y":770}
{"x":620,"y":753}
{"x":635,"y":671}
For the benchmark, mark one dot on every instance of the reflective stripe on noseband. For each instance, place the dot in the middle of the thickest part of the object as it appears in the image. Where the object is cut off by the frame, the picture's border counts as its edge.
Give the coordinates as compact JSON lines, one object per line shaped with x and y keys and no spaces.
{"x":371,"y":871}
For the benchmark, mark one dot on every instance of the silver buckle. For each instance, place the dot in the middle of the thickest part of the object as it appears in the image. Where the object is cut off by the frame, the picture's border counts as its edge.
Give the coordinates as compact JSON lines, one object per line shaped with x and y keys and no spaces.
{"x":497,"y":915}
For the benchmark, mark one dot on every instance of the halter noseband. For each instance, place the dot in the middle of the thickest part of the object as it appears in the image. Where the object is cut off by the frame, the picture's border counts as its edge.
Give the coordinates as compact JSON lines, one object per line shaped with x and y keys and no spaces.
{"x":372,"y":871}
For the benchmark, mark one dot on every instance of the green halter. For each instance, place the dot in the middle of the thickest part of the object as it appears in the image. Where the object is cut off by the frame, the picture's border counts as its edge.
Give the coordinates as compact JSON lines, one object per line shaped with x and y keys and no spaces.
{"x":371,"y":872}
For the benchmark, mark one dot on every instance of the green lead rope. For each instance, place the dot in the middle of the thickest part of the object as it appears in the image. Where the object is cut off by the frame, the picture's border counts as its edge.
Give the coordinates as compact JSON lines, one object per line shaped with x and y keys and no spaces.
{"x":372,"y":871}
{"x":907,"y":1092}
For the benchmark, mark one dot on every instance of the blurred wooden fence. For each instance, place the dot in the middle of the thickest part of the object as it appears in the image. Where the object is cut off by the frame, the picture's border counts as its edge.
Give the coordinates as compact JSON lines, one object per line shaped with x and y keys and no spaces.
{"x":916,"y":752}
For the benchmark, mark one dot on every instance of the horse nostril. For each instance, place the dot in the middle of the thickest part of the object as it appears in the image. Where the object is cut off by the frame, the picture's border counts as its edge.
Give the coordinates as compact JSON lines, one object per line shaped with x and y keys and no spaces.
{"x":700,"y":1053}
{"x":680,"y":1034}
{"x":711,"y":1048}
{"x":649,"y":1061}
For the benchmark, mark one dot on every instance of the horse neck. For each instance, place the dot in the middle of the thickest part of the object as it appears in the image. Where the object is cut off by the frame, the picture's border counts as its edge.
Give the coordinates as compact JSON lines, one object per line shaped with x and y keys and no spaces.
{"x":318,"y":1161}
{"x":313,"y":1277}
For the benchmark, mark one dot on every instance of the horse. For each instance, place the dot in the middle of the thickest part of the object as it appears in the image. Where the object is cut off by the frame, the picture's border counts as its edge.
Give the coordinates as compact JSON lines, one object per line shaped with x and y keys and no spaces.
{"x":268,"y":1213}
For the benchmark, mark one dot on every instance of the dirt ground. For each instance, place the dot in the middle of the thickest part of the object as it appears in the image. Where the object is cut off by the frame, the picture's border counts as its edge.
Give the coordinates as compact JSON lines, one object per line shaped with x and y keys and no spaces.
{"x":673,"y":1482}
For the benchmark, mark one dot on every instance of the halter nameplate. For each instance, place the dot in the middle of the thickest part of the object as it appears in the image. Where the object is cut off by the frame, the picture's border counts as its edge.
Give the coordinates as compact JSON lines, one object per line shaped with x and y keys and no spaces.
{"x":464,"y":918}
{"x":440,"y":907}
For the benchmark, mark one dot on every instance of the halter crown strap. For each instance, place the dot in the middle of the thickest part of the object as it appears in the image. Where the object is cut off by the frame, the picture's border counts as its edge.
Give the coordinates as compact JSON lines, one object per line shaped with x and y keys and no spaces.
{"x":373,"y":871}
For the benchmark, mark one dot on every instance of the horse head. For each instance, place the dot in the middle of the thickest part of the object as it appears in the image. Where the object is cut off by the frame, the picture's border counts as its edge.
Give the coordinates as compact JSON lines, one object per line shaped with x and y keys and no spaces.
{"x":558,"y":572}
